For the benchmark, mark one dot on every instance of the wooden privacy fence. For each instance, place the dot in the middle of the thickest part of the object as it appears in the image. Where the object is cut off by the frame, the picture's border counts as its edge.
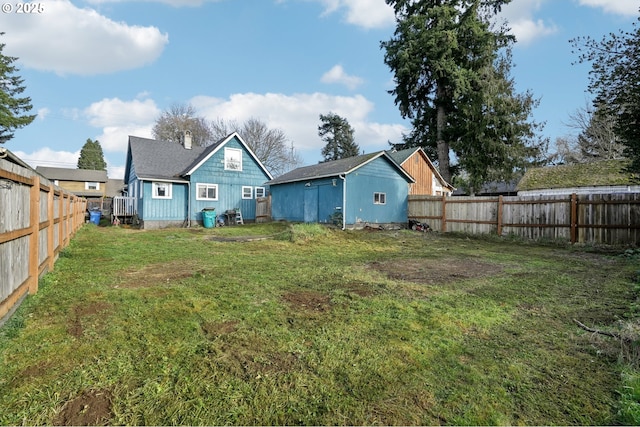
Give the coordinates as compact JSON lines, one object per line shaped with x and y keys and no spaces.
{"x":37,"y":220}
{"x":611,"y":219}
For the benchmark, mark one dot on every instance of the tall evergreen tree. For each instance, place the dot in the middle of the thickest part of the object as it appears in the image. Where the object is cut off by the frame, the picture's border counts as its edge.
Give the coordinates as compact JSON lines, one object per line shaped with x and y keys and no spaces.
{"x":615,"y":82}
{"x":338,"y":135}
{"x":497,"y":142}
{"x":91,"y":156}
{"x":13,"y":108}
{"x":439,"y":51}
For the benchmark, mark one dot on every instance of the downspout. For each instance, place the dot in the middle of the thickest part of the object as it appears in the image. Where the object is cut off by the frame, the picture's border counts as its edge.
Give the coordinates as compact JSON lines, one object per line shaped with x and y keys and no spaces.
{"x":344,"y":201}
{"x":189,"y":203}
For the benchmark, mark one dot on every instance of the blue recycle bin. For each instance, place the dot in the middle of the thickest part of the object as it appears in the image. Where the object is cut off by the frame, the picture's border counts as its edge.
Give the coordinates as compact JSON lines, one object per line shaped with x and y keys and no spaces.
{"x":209,"y":218}
{"x":94,"y":217}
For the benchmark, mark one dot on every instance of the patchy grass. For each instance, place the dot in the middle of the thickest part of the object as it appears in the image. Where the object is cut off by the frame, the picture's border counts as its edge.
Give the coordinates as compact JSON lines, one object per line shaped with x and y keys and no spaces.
{"x":307,"y":325}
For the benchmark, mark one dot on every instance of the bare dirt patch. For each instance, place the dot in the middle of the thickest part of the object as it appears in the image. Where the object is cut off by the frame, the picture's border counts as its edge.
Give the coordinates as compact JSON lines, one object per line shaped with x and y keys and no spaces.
{"x":158,"y":274}
{"x":90,"y":408}
{"x":238,"y":238}
{"x":215,"y":329}
{"x":308,"y":300}
{"x":83,"y":313}
{"x":435,"y":271}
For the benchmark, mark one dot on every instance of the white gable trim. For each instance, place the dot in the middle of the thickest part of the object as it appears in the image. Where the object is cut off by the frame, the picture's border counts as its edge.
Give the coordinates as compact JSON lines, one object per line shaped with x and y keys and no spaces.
{"x":222,"y":144}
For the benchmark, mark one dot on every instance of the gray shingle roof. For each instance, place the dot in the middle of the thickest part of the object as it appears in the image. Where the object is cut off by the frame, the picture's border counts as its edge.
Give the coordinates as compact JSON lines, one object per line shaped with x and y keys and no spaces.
{"x":66,"y":174}
{"x":402,"y":155}
{"x":332,"y":168}
{"x":155,"y":159}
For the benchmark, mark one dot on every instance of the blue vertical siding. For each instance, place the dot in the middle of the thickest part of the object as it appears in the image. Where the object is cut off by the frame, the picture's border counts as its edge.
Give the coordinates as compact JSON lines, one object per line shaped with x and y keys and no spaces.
{"x":229,"y":183}
{"x":173,"y":209}
{"x":317,"y":200}
{"x":378,"y":176}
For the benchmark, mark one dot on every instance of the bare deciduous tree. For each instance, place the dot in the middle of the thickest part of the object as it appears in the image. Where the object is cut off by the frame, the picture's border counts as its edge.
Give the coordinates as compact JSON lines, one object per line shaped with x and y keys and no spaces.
{"x":179,"y":118}
{"x":271,"y":146}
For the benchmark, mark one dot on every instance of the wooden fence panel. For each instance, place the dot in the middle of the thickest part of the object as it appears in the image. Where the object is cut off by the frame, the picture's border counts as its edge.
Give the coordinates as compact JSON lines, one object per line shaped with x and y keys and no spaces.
{"x":611,"y":219}
{"x":37,"y":220}
{"x":263,"y":209}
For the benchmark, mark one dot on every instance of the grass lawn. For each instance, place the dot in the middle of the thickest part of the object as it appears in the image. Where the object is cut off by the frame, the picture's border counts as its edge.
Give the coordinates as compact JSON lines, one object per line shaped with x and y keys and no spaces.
{"x":273,"y":324}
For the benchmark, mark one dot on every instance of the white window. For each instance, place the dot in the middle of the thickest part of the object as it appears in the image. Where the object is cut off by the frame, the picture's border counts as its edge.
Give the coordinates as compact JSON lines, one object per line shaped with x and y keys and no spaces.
{"x":233,"y":159}
{"x":92,"y":186}
{"x":260,"y":192}
{"x":207,"y":192}
{"x":161,"y":190}
{"x":247,"y":192}
{"x":379,"y":198}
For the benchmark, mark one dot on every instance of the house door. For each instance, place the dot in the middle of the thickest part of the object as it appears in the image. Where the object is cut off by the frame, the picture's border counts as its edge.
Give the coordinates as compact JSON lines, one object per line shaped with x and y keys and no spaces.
{"x":311,"y":204}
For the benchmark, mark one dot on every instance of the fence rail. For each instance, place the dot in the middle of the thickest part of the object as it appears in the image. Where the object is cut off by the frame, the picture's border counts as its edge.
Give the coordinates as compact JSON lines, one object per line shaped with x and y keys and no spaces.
{"x":611,"y":219}
{"x":37,"y":220}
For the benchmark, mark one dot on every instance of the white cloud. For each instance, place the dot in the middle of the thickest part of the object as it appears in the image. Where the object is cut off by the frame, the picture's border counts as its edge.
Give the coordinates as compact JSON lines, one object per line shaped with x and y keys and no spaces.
{"x":619,"y":7}
{"x":43,"y":113}
{"x":47,"y":157}
{"x":298,"y":116}
{"x":175,"y":3}
{"x":70,"y":40}
{"x":519,"y":15}
{"x":338,"y":75}
{"x":119,"y":119}
{"x":362,"y":13}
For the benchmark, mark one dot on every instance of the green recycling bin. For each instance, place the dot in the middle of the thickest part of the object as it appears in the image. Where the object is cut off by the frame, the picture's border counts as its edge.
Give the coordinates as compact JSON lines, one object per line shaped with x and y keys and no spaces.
{"x":209,"y":218}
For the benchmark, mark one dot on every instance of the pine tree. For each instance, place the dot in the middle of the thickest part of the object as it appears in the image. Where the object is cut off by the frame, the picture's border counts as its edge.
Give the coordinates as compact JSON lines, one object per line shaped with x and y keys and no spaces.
{"x":338,"y":135}
{"x":91,"y":156}
{"x":12,"y":107}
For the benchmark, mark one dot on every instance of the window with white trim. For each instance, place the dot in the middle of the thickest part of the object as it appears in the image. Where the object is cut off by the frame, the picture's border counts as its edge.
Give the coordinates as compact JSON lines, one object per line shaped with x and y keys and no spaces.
{"x":207,"y":192}
{"x":379,"y":198}
{"x":233,"y":159}
{"x":247,"y":192}
{"x":161,"y":190}
{"x":92,"y":186}
{"x":260,"y":192}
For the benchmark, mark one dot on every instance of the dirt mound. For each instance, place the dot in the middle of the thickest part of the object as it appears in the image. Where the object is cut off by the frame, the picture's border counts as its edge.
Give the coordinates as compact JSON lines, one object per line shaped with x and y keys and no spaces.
{"x":90,"y":408}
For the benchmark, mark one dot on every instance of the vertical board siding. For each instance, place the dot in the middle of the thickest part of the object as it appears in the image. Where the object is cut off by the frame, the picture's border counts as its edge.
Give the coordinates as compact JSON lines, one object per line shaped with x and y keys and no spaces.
{"x":37,"y":220}
{"x":610,"y":219}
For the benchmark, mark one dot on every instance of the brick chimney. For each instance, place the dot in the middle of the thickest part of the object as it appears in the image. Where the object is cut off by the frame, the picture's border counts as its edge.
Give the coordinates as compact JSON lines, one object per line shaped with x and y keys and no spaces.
{"x":187,"y":140}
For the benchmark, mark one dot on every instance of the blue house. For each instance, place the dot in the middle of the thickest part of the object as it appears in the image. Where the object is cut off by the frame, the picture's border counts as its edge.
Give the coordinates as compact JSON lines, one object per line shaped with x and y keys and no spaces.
{"x":171,"y":184}
{"x":351,"y":192}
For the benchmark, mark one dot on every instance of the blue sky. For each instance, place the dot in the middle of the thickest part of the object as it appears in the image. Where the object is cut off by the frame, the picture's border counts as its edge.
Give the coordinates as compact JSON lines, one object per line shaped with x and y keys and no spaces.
{"x":105,"y":69}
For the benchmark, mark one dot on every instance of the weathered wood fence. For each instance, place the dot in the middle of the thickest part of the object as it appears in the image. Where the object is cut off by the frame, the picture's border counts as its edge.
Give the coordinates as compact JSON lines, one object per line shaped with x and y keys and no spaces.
{"x":610,"y":219}
{"x":37,"y":220}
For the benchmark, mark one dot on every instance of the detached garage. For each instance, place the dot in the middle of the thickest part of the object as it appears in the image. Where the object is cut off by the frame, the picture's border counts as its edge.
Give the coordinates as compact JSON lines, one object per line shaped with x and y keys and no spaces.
{"x":351,"y":192}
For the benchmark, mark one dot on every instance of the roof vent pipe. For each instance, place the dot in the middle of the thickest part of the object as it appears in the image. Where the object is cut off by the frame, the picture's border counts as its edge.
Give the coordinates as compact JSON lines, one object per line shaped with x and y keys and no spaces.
{"x":187,"y":140}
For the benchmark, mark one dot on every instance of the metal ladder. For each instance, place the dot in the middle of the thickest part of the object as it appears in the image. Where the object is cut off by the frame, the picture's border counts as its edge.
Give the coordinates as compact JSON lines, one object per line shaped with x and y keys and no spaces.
{"x":239,"y":217}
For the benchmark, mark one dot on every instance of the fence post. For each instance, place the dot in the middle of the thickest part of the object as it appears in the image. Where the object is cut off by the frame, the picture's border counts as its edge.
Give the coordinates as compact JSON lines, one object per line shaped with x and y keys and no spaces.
{"x":50,"y":234}
{"x":499,"y":215}
{"x":444,"y":213}
{"x":34,"y":241}
{"x":574,"y":218}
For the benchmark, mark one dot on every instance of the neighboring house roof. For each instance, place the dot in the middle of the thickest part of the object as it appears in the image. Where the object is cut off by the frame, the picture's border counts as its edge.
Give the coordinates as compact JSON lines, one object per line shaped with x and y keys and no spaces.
{"x":335,"y":168}
{"x":403,"y":155}
{"x":164,"y":160}
{"x":66,"y":174}
{"x":594,"y":174}
{"x":115,"y":187}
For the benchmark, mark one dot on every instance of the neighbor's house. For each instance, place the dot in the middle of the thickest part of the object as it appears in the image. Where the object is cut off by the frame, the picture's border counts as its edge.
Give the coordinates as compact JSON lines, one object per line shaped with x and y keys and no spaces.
{"x":351,"y":192}
{"x":429,"y":182}
{"x":87,"y":183}
{"x":172,"y":183}
{"x":604,"y":176}
{"x":81,"y":182}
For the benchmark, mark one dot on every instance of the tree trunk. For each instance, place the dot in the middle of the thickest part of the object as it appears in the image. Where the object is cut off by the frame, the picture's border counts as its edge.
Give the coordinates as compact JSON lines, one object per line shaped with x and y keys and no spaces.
{"x":442,"y":145}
